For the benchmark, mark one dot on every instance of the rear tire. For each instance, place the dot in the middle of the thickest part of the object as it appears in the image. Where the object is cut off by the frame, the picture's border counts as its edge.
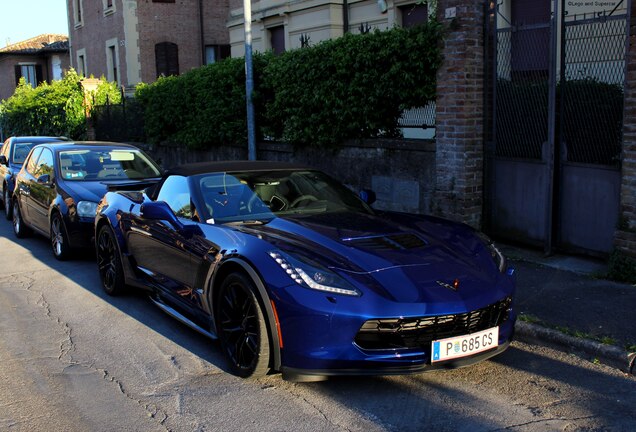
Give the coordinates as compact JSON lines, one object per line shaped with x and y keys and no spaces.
{"x":242,"y":327}
{"x":19,"y":227}
{"x":8,"y":204}
{"x":109,"y":264}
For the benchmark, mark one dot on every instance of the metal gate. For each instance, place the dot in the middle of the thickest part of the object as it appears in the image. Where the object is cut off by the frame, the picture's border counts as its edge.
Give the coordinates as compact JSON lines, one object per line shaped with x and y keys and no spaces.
{"x":554,"y":95}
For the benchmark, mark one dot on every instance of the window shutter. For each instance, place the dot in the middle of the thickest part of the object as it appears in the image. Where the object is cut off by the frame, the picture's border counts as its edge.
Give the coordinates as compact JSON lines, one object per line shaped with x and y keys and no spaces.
{"x":167,"y":59}
{"x":224,"y":51}
{"x":38,"y":74}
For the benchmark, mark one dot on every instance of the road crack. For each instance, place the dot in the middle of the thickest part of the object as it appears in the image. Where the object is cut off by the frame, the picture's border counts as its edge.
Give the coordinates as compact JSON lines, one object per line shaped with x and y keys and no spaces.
{"x":67,"y":347}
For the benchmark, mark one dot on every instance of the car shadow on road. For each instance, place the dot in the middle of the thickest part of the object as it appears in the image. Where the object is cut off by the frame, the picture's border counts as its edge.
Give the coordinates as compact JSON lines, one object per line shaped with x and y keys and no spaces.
{"x":81,"y":268}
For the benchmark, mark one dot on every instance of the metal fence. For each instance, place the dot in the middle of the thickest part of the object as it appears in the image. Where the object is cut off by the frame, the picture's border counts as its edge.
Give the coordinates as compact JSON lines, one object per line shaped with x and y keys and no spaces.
{"x":119,"y":122}
{"x":589,"y":73}
{"x":423,"y":117}
{"x":591,"y":88}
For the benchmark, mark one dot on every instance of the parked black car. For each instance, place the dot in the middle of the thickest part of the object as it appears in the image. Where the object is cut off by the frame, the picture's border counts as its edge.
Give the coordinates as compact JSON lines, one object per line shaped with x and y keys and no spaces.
{"x":13,"y":153}
{"x":60,"y":184}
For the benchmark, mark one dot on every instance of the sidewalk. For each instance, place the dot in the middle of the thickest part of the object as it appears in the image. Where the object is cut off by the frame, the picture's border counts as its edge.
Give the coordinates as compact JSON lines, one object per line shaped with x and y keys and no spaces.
{"x":562,"y":304}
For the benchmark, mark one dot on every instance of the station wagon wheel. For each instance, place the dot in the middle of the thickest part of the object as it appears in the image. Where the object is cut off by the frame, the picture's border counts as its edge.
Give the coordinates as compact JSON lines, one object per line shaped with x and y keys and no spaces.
{"x":242,"y":327}
{"x":109,"y":262}
{"x":19,"y":228}
{"x":7,"y":203}
{"x":59,"y":238}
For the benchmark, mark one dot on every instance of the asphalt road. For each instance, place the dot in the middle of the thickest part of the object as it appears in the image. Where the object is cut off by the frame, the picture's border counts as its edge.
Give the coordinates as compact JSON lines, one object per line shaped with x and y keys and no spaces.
{"x":74,"y":359}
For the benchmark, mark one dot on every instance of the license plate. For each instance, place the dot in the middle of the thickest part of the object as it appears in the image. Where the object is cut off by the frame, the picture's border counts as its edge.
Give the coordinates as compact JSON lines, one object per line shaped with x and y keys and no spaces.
{"x":462,"y":346}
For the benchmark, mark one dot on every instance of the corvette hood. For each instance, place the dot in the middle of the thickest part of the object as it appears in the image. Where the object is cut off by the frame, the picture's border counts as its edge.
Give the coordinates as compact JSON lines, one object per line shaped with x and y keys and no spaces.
{"x":382,"y":252}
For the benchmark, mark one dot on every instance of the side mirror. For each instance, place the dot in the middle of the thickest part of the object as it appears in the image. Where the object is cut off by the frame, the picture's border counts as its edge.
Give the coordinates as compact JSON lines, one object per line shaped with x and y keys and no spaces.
{"x":160,"y":210}
{"x":367,"y":195}
{"x":3,"y":160}
{"x":44,"y":179}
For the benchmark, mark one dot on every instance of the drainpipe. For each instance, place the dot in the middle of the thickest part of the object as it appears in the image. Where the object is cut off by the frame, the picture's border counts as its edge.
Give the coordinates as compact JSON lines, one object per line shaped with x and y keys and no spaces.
{"x":201,"y":32}
{"x":345,"y":16}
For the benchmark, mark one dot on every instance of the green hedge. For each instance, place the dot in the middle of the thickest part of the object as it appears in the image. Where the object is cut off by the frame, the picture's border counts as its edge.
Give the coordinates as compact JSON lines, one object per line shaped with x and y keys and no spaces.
{"x":201,"y":108}
{"x":55,"y":109}
{"x":347,"y":88}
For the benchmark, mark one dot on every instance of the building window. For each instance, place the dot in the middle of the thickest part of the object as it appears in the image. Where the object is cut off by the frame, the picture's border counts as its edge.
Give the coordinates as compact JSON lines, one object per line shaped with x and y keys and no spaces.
{"x":111,"y":60}
{"x":413,"y":14}
{"x":31,"y":73}
{"x":78,"y":12}
{"x":56,"y":66}
{"x":277,"y":39}
{"x":167,"y":59}
{"x":531,"y":40}
{"x":81,"y":62}
{"x":215,"y":53}
{"x":109,"y":7}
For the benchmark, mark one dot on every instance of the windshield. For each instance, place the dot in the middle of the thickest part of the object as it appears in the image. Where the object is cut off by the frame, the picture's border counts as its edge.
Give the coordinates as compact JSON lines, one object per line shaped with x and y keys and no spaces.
{"x":261,"y":195}
{"x":106,"y":164}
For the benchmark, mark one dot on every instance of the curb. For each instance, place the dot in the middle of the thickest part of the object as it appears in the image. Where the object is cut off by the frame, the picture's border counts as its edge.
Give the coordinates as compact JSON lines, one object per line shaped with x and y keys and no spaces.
{"x":609,"y":355}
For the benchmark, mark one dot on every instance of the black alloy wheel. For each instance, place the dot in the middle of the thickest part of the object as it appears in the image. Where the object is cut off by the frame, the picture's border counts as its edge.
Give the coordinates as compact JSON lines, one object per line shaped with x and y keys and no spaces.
{"x":8,"y":205}
{"x":19,"y":227}
{"x":59,"y":238}
{"x":242,"y":328}
{"x":109,"y":262}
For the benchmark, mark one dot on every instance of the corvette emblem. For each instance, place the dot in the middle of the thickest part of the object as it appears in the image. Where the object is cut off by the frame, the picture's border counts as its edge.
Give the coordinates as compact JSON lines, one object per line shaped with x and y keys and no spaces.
{"x":453,"y":287}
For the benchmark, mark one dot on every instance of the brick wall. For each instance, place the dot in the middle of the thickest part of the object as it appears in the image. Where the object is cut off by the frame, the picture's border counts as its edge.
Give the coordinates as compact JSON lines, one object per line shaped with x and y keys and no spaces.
{"x":625,"y":237}
{"x":179,"y":23}
{"x":92,"y":33}
{"x":460,"y":114}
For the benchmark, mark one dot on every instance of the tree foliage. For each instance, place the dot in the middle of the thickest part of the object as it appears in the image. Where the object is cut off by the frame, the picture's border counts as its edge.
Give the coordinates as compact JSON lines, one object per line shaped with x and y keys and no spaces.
{"x":55,"y":109}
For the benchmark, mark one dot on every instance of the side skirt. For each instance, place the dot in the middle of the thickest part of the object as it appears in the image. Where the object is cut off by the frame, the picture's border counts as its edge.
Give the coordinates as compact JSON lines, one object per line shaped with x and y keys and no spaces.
{"x":175,"y":314}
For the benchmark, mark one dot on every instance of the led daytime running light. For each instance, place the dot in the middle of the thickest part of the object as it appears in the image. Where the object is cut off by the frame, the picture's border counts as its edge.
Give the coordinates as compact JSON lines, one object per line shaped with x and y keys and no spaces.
{"x":302,"y":278}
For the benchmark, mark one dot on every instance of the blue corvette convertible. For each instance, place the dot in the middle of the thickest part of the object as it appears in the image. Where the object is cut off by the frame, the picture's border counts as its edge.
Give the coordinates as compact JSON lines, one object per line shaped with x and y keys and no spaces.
{"x":292,"y":272}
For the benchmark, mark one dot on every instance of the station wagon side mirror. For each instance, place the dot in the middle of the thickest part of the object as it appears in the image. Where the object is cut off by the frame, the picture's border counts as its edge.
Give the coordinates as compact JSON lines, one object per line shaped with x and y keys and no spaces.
{"x":45,"y":180}
{"x":3,"y":160}
{"x":367,"y":195}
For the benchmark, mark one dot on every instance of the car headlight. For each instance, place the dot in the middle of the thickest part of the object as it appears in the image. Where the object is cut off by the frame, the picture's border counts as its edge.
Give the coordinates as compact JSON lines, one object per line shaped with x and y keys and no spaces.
{"x":497,"y":256}
{"x":312,"y":275}
{"x":86,"y":209}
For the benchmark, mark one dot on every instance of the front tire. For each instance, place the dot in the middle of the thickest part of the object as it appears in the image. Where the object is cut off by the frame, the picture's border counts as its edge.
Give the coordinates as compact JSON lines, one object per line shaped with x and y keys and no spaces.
{"x":109,"y":264}
{"x":59,"y":238}
{"x":19,"y":227}
{"x":242,"y":327}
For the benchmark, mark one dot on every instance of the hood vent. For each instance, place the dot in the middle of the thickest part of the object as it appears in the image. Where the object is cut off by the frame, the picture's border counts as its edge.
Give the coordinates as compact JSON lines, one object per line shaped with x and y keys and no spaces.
{"x":387,"y":242}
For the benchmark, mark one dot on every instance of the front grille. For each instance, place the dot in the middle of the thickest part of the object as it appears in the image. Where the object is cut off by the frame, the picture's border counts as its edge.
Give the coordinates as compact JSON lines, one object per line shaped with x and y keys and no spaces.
{"x":419,"y":332}
{"x":388,"y":242}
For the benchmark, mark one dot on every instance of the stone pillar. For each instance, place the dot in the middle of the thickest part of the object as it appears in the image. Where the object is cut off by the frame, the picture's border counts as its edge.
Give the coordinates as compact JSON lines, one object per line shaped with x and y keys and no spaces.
{"x":89,"y":85}
{"x":460,"y":113}
{"x":625,"y":236}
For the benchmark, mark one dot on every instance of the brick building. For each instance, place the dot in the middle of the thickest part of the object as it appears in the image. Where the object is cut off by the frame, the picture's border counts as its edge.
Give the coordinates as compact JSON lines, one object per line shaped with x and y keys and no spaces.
{"x":40,"y":59}
{"x":132,"y":41}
